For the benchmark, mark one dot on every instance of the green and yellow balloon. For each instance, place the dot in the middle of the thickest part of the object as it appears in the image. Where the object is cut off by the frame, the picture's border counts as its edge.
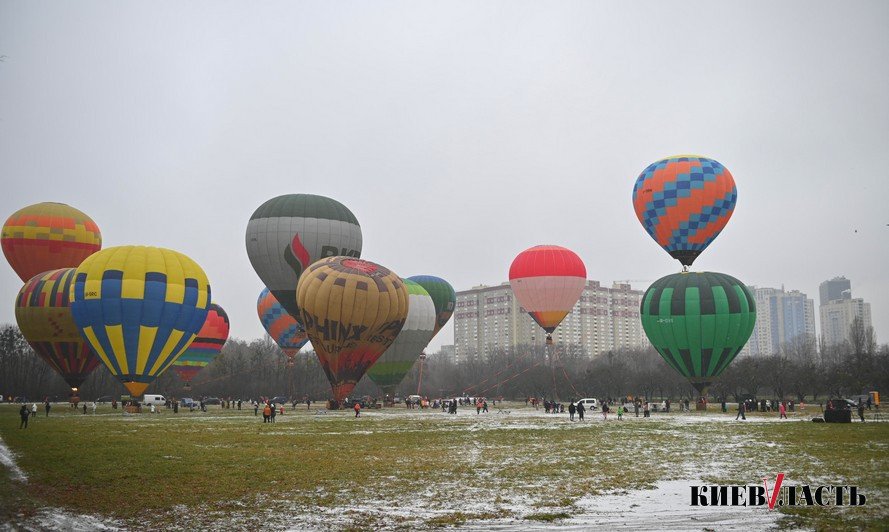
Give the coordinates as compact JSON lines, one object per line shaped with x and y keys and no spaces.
{"x":698,"y":322}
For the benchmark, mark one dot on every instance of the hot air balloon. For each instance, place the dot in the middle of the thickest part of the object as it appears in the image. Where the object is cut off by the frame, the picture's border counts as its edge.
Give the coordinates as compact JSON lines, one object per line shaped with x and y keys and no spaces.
{"x":698,"y":322}
{"x":418,"y":330}
{"x":352,"y":311}
{"x":443,"y":297}
{"x":43,"y":313}
{"x":205,"y":347}
{"x":281,"y":326}
{"x":48,"y":236}
{"x":288,"y":233}
{"x":547,"y":281}
{"x":684,"y":202}
{"x":139,"y":308}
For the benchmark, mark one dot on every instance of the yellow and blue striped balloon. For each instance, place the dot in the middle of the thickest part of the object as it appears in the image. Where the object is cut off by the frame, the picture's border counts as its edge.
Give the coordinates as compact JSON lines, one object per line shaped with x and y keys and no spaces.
{"x":139,"y":308}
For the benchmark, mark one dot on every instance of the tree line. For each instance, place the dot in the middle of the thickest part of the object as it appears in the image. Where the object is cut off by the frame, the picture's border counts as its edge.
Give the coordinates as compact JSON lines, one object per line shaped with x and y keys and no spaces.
{"x":800,"y":370}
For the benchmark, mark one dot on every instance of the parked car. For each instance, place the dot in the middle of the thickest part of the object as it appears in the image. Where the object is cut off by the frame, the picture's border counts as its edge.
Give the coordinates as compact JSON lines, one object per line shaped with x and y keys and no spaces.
{"x":187,"y":402}
{"x":104,"y":399}
{"x":212,"y":401}
{"x":589,"y":404}
{"x":280,"y":400}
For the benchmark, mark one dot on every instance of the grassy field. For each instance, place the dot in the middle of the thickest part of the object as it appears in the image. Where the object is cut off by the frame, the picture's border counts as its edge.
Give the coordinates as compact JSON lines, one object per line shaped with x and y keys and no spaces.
{"x":410,"y":469}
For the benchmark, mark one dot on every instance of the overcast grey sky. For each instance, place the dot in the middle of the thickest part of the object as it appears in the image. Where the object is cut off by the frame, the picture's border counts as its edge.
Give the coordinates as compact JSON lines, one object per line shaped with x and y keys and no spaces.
{"x":459,"y":133}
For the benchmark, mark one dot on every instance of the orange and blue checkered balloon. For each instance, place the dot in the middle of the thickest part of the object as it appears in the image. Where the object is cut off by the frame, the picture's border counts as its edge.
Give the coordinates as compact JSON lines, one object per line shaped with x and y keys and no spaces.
{"x":281,"y":326}
{"x":684,"y":202}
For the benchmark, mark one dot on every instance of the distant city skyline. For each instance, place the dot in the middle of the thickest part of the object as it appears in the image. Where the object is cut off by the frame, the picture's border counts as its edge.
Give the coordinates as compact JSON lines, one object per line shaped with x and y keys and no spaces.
{"x":487,"y":318}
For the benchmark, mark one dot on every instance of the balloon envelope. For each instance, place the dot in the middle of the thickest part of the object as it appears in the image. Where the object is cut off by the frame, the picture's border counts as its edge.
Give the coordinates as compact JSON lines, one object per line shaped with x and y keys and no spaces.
{"x":418,"y":330}
{"x":352,"y":311}
{"x":684,"y":202}
{"x":547,"y":281}
{"x":698,"y":322}
{"x":48,"y":236}
{"x":43,"y":313}
{"x":139,"y":308}
{"x":206,"y":346}
{"x":288,"y":233}
{"x":281,"y":326}
{"x":443,"y":297}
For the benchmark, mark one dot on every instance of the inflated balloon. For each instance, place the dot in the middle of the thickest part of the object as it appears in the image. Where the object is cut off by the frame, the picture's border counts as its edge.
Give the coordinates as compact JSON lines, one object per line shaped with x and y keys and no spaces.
{"x":547,"y":281}
{"x":698,"y":322}
{"x":443,"y":297}
{"x":352,"y":311}
{"x":139,"y":308}
{"x":43,"y":313}
{"x":288,"y":233}
{"x":418,"y":330}
{"x":684,"y":202}
{"x":48,"y":236}
{"x":205,"y":347}
{"x":281,"y":326}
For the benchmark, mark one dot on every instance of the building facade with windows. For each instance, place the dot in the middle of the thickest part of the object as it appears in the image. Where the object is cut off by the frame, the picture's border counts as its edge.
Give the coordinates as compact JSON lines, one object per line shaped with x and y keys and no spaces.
{"x":837,"y":317}
{"x":488,"y":318}
{"x":781,"y":317}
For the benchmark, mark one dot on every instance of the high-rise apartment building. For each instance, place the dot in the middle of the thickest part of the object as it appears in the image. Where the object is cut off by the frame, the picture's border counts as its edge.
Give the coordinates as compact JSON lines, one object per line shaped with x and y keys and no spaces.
{"x":488,"y":318}
{"x":837,"y":317}
{"x":838,"y":310}
{"x":834,"y":290}
{"x":781,"y":316}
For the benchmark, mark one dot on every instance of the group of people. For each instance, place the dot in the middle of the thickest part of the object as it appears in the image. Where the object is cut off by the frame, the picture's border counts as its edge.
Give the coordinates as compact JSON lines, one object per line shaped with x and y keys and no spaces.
{"x":269,"y":410}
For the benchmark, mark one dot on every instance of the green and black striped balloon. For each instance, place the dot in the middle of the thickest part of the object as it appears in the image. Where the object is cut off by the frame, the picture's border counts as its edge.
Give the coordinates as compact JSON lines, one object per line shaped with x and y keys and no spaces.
{"x":698,"y":322}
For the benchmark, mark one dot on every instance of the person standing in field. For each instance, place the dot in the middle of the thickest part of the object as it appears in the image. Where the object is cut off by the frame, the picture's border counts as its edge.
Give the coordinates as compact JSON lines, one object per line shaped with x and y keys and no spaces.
{"x":580,"y":410}
{"x":34,"y":410}
{"x":266,"y":413}
{"x":24,"y":414}
{"x":647,"y":410}
{"x":357,"y":408}
{"x":255,"y":408}
{"x":620,"y":413}
{"x":571,"y":410}
{"x":47,"y":406}
{"x":273,"y":409}
{"x":861,"y":410}
{"x":782,"y":410}
{"x":741,"y":409}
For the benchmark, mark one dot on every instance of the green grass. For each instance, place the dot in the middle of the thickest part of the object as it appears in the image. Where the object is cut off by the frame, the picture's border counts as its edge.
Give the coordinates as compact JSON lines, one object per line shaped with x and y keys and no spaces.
{"x":195,"y":470}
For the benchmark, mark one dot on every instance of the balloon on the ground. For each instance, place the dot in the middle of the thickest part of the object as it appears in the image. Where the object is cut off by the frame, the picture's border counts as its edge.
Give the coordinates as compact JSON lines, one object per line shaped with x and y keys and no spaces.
{"x":698,"y":322}
{"x":206,"y":346}
{"x":419,"y":328}
{"x":281,"y":326}
{"x":443,"y":297}
{"x":139,"y":308}
{"x":43,"y":313}
{"x":352,"y":310}
{"x":684,"y":202}
{"x":288,"y":233}
{"x":48,"y":236}
{"x":547,"y":281}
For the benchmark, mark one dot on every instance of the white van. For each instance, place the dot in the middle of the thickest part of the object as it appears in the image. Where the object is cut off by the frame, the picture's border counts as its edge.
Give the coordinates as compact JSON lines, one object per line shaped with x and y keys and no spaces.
{"x":157,"y":400}
{"x":588,"y":404}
